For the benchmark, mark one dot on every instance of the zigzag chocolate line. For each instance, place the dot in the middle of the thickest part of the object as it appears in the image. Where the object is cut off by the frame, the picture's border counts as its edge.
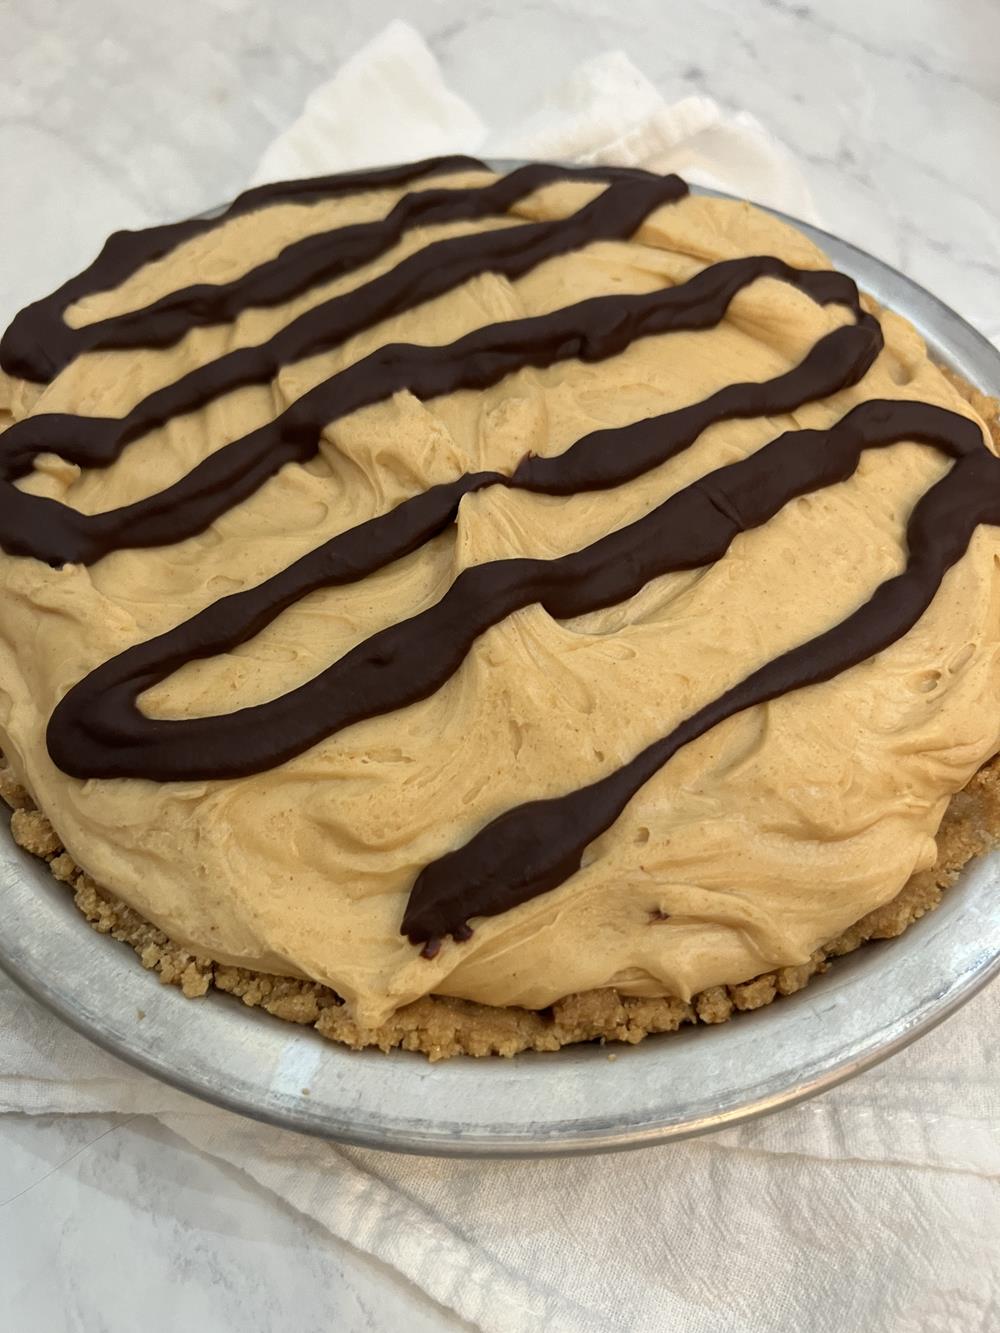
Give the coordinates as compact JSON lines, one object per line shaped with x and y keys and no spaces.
{"x":37,"y":526}
{"x":98,"y":730}
{"x":38,"y":343}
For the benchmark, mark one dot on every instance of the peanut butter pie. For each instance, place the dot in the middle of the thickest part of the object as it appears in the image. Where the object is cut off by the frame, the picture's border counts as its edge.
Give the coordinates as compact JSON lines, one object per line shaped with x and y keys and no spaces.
{"x":477,"y":613}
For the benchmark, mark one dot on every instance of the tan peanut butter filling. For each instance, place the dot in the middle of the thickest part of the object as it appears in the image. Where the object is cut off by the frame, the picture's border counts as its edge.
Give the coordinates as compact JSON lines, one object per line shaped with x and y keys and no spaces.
{"x":755,"y":843}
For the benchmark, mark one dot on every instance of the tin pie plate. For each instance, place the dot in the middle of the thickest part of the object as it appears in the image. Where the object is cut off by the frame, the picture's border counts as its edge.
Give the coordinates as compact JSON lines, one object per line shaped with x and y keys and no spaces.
{"x":865,"y":1008}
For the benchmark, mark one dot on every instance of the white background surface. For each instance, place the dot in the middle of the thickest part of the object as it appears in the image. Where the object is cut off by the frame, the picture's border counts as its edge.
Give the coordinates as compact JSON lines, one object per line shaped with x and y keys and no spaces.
{"x":120,"y":112}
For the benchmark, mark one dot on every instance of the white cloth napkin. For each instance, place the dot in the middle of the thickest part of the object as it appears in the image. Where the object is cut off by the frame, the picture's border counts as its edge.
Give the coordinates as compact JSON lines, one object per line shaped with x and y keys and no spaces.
{"x":876,"y":1206}
{"x":606,"y":111}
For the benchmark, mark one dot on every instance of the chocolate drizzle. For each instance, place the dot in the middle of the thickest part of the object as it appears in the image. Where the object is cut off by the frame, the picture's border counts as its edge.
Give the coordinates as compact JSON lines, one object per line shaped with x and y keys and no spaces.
{"x":32,"y":525}
{"x":38,"y":343}
{"x":537,"y":846}
{"x":98,"y":729}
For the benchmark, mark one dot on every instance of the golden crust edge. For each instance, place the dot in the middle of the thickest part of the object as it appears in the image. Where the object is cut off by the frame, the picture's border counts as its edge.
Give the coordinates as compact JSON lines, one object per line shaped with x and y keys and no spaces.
{"x":441,"y":1027}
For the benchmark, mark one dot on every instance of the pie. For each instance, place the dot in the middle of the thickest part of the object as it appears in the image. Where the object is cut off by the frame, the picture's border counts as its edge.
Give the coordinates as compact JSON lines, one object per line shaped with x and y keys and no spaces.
{"x":477,"y":613}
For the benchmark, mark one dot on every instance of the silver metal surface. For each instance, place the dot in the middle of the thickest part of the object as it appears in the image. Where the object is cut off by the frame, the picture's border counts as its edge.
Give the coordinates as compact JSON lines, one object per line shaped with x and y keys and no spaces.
{"x":574,"y":1100}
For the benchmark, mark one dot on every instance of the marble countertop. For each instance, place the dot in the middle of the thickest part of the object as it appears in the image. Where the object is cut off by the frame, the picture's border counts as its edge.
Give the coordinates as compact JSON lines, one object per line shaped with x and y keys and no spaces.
{"x":141,"y":112}
{"x":119,"y":113}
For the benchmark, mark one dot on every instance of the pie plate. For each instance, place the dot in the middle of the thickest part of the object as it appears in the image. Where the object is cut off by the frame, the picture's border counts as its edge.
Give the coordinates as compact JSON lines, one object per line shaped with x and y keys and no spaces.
{"x":867,"y":1006}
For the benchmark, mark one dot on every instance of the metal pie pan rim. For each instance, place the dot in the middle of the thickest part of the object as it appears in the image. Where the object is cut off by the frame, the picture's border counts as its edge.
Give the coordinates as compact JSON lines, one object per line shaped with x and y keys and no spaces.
{"x":523,"y":1137}
{"x":248,"y":1062}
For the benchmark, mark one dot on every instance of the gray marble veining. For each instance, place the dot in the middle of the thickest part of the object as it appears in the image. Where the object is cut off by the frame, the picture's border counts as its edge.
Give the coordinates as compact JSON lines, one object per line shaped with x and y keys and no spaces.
{"x":115,"y":113}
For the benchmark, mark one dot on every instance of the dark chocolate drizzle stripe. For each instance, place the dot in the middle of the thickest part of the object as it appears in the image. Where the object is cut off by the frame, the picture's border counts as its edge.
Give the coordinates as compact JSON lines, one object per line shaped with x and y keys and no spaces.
{"x":300,"y":266}
{"x":537,"y":846}
{"x":31,"y":525}
{"x":592,"y":330}
{"x":39,"y":343}
{"x":98,"y":730}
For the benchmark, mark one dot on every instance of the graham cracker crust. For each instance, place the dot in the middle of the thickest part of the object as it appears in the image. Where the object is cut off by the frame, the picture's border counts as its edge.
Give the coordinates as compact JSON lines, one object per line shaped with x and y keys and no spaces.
{"x":440,"y":1027}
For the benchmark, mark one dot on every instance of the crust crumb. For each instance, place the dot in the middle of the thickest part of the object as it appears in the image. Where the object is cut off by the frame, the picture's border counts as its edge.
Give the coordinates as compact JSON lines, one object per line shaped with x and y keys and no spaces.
{"x":12,"y":792}
{"x":33,"y":832}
